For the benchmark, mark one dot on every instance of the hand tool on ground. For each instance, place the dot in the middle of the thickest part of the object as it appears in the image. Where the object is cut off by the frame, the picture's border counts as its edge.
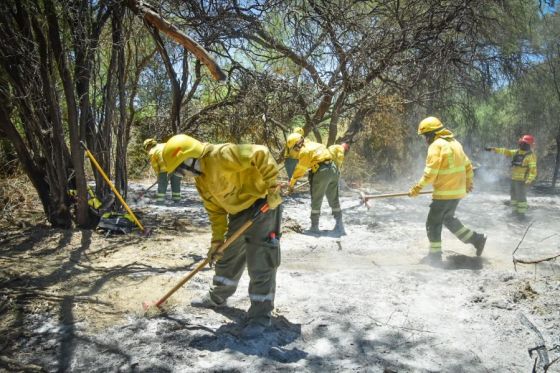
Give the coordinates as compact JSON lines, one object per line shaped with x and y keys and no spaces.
{"x":141,"y":194}
{"x":115,"y":191}
{"x":262,"y":210}
{"x":366,"y":197}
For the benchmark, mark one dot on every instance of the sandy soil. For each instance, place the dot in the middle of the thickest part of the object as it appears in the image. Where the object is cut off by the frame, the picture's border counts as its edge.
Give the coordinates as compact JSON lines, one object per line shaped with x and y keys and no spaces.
{"x":70,"y":300}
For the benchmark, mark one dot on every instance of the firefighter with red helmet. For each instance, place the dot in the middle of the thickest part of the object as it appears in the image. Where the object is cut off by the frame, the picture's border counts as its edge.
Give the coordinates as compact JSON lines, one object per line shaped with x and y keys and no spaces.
{"x":523,"y":171}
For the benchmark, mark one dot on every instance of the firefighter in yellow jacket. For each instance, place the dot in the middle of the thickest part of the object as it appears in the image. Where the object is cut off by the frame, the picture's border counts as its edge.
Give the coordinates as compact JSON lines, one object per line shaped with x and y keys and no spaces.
{"x":290,"y":159}
{"x":450,"y":172}
{"x":155,"y":151}
{"x":324,"y":175}
{"x":523,"y":171}
{"x":233,"y":181}
{"x":338,"y":152}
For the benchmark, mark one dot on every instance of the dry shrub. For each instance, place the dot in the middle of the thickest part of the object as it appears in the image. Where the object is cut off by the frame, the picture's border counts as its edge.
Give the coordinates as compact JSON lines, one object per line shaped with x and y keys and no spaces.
{"x":19,"y":204}
{"x":380,"y":149}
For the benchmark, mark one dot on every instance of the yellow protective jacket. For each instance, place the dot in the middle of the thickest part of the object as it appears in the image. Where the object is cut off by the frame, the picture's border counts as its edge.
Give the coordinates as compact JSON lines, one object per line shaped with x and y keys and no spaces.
{"x":337,"y":152}
{"x":233,"y":178}
{"x":156,"y":158}
{"x":524,"y":165}
{"x":311,"y":155}
{"x":447,"y":167}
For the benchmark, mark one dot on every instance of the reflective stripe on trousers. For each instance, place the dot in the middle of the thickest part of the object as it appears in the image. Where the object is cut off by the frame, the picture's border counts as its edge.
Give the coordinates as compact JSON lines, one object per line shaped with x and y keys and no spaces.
{"x":255,"y":251}
{"x":435,"y":247}
{"x":442,"y":212}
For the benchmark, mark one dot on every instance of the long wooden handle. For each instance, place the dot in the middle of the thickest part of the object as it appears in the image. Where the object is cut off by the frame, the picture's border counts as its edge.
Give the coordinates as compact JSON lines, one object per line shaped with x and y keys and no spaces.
{"x":115,"y":191}
{"x":366,"y":197}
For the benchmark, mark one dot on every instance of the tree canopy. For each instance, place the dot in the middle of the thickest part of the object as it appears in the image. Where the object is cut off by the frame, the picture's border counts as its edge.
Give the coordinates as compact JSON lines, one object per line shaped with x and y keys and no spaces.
{"x":114,"y":72}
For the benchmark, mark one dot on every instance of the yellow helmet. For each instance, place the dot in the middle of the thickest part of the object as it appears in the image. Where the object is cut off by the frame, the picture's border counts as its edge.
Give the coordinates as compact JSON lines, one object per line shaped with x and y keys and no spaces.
{"x":293,"y":139}
{"x":178,"y":148}
{"x":299,"y":131}
{"x":429,"y":124}
{"x":148,"y":143}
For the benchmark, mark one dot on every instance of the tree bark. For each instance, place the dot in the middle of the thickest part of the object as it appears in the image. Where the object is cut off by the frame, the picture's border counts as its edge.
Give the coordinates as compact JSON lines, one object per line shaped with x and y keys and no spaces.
{"x":557,"y":162}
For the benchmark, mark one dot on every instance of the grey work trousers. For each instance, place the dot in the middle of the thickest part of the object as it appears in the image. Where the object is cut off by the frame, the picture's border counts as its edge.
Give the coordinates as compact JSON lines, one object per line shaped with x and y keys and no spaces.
{"x":261,"y":254}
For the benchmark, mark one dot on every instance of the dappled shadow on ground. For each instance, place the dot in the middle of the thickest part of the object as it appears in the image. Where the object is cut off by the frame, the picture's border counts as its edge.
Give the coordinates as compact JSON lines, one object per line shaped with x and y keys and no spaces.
{"x":38,"y":308}
{"x":354,"y":346}
{"x":270,"y":344}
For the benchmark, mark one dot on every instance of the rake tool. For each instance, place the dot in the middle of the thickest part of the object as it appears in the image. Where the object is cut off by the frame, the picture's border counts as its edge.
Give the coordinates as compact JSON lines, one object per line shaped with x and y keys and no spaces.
{"x":142,"y":193}
{"x":263,"y":209}
{"x":365,"y":198}
{"x":115,"y":191}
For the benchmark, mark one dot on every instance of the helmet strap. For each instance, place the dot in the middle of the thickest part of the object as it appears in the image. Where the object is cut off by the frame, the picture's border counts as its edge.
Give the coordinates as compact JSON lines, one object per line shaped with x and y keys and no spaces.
{"x":430,"y":137}
{"x":193,"y":167}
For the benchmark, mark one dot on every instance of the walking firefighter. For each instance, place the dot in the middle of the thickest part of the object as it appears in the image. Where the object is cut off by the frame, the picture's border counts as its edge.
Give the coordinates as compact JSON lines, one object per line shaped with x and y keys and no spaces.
{"x":523,"y":171}
{"x":450,"y":172}
{"x":154,"y":151}
{"x":234,"y":181}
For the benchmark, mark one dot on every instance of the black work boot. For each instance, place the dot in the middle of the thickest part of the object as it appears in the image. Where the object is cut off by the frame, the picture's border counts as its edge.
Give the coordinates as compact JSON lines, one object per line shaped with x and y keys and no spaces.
{"x":314,"y":229}
{"x":339,"y":226}
{"x":479,"y":242}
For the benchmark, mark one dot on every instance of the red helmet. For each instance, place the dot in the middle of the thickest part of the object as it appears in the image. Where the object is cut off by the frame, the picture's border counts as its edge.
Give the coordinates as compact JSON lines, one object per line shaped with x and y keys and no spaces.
{"x":527,"y":139}
{"x":345,"y":146}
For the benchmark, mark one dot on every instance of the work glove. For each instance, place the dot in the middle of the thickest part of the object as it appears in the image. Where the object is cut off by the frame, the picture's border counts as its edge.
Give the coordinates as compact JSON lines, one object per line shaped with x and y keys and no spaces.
{"x":273,"y":198}
{"x":213,"y":254}
{"x":489,"y":149}
{"x":470,"y":187}
{"x":415,"y":190}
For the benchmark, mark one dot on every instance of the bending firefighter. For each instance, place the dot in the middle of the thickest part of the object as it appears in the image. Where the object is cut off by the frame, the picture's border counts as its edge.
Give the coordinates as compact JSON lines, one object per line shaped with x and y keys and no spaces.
{"x":450,"y":171}
{"x":324,"y":177}
{"x":155,"y":151}
{"x":338,"y":151}
{"x":233,"y":181}
{"x":290,"y":161}
{"x":523,"y":171}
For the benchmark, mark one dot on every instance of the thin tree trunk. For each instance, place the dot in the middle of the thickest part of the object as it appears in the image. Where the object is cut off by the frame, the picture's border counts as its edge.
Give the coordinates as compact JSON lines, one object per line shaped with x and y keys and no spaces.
{"x":120,"y":152}
{"x":557,"y":162}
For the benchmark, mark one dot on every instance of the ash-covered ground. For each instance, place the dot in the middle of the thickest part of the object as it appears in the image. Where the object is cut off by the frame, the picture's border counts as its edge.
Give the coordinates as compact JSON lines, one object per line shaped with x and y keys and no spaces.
{"x":72,"y":300}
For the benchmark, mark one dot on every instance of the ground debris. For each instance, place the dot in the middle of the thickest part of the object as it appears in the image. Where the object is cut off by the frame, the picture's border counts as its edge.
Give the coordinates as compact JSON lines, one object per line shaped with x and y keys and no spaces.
{"x":289,"y":224}
{"x":525,"y":292}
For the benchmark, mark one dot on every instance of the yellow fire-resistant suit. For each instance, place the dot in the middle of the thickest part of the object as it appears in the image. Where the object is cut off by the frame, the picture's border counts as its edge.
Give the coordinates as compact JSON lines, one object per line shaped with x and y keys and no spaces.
{"x":158,"y":165}
{"x":235,"y":179}
{"x":450,"y":171}
{"x":311,"y":155}
{"x":323,"y":179}
{"x":337,"y":152}
{"x":523,"y":173}
{"x":156,"y":159}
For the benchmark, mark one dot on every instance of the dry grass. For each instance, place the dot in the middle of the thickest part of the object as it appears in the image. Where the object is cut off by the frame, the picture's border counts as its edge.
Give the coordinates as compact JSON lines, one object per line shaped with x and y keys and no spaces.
{"x":19,"y":203}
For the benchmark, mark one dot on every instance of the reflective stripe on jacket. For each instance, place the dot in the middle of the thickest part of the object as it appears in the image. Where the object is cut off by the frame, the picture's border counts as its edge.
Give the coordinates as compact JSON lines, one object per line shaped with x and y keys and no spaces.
{"x":156,"y":158}
{"x":528,"y":169}
{"x":447,"y":167}
{"x":311,"y":155}
{"x":337,"y":153}
{"x":233,"y":178}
